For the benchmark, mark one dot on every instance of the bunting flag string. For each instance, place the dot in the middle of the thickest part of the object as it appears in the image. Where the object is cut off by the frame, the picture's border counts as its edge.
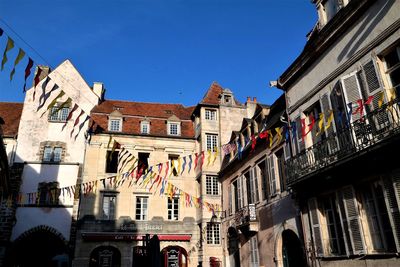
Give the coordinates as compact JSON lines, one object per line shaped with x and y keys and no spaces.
{"x":54,"y":102}
{"x":44,"y":85}
{"x":81,"y":126}
{"x":27,"y":72}
{"x":76,"y":122}
{"x":46,"y":96}
{"x":190,"y":163}
{"x":36,"y":80}
{"x":75,"y":107}
{"x":183,"y":165}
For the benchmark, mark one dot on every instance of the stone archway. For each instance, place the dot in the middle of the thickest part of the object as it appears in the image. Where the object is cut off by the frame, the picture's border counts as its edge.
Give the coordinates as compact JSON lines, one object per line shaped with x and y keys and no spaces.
{"x":40,"y":246}
{"x":174,"y":256}
{"x":289,"y":250}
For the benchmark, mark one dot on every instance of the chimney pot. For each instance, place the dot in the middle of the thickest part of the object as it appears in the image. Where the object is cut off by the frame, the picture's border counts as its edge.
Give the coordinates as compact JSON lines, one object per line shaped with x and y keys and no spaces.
{"x":248,"y":99}
{"x":255,"y":99}
{"x":98,"y":89}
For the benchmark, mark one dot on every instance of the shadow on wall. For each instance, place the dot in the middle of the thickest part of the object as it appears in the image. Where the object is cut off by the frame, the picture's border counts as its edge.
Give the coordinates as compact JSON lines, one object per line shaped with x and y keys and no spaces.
{"x":41,"y":232}
{"x":367,"y":26}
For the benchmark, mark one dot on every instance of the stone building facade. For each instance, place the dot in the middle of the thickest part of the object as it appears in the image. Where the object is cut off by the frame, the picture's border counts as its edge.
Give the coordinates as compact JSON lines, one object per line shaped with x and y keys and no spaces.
{"x":261,"y":225}
{"x":52,"y":157}
{"x":344,"y":174}
{"x":114,"y":221}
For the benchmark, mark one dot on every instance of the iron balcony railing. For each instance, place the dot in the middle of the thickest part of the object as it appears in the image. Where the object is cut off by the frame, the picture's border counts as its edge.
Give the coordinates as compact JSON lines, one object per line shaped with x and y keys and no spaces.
{"x":373,"y":128}
{"x":245,"y":215}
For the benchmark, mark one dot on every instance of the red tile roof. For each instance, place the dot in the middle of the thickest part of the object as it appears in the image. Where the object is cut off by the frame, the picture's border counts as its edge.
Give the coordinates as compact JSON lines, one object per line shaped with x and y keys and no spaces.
{"x":212,"y":95}
{"x":10,"y":112}
{"x":135,"y":112}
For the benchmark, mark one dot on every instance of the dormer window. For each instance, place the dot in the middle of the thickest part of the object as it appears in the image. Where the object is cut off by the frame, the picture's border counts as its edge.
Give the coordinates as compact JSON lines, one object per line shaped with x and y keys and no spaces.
{"x":115,"y":125}
{"x":174,"y":128}
{"x":145,"y":127}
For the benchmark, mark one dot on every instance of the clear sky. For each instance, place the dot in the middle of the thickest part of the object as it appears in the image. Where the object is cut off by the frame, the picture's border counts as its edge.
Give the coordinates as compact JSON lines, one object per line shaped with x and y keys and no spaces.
{"x":167,"y":51}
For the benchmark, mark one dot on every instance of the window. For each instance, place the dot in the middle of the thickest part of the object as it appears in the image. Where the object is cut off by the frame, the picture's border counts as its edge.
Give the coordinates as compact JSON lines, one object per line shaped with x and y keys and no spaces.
{"x":334,"y":227}
{"x":212,"y":185}
{"x":52,"y":154}
{"x":211,"y":114}
{"x":212,"y":143}
{"x":252,"y":186}
{"x":112,"y":161}
{"x":213,"y":233}
{"x":378,"y":219}
{"x":227,"y":99}
{"x":331,"y":7}
{"x":238,"y":194}
{"x":58,"y":114}
{"x":173,"y":209}
{"x":254,"y":257}
{"x":280,"y":155}
{"x":49,"y":193}
{"x":392,"y":68}
{"x":115,"y":125}
{"x":141,"y":208}
{"x":145,"y":127}
{"x":109,"y":201}
{"x":173,"y":159}
{"x":174,"y":128}
{"x":264,"y":178}
{"x":143,"y":160}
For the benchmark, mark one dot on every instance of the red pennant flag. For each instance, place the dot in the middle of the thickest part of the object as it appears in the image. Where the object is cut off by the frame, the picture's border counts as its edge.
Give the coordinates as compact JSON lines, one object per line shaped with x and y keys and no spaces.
{"x":253,"y":142}
{"x":202,"y":160}
{"x":28,"y":71}
{"x":36,"y":81}
{"x":369,"y":100}
{"x":310,"y":126}
{"x":263,"y":135}
{"x":166,"y":168}
{"x":360,"y":108}
{"x":76,"y":122}
{"x":196,"y":160}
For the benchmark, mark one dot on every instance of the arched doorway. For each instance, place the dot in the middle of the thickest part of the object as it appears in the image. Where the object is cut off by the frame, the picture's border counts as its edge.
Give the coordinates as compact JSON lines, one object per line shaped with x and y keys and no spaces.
{"x":174,"y":256}
{"x":233,"y":247}
{"x":105,"y":256}
{"x":40,"y":246}
{"x":292,"y":251}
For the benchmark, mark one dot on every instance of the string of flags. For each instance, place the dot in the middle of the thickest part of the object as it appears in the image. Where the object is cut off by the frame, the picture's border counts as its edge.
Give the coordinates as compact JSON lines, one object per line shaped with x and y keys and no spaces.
{"x":46,"y":89}
{"x":323,"y":123}
{"x":152,"y":178}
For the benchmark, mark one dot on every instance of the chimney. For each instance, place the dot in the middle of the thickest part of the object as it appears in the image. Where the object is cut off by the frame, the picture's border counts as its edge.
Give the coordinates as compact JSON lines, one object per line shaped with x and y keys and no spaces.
{"x":255,"y":99}
{"x":98,"y":89}
{"x":248,"y":99}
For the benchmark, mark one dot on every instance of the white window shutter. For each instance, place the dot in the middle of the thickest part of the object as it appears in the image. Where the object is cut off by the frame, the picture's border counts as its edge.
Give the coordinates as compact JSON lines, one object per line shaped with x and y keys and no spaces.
{"x":353,"y":219}
{"x":392,"y":196}
{"x":352,"y":92}
{"x":315,"y":226}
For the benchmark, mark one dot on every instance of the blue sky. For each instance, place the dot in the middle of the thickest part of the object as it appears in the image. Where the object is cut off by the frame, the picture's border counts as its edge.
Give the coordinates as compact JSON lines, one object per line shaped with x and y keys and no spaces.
{"x":166,"y":51}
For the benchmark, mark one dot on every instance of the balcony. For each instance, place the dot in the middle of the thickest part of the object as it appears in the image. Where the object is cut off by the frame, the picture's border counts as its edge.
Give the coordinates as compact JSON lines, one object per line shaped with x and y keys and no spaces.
{"x":246,"y":218}
{"x":377,"y":128}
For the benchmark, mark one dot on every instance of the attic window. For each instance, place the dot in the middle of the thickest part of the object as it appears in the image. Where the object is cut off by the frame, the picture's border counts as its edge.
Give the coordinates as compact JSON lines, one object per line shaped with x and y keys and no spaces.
{"x":227,"y":99}
{"x":169,"y":112}
{"x":117,"y":108}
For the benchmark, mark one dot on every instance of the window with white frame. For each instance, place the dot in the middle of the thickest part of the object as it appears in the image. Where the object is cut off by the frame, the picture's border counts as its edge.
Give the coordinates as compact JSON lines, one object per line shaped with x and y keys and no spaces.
{"x":58,"y":114}
{"x":141,"y":208}
{"x":174,"y":128}
{"x":254,"y":257}
{"x":145,"y":127}
{"x":211,"y":114}
{"x":213,"y":233}
{"x":52,"y":154}
{"x":115,"y":125}
{"x":392,"y":68}
{"x":212,"y":185}
{"x":108,"y":206}
{"x":212,"y":142}
{"x":173,"y":209}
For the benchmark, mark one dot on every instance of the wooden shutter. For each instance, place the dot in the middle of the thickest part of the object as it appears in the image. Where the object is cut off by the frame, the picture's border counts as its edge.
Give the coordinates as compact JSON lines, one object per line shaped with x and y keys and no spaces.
{"x":343,"y":222}
{"x":374,"y":88}
{"x":352,"y":92}
{"x":300,"y":143}
{"x":240,"y":194}
{"x":391,"y":192}
{"x":353,"y":220}
{"x":230,"y":208}
{"x":315,"y":225}
{"x":272,"y":177}
{"x":326,"y":107}
{"x":253,"y":175}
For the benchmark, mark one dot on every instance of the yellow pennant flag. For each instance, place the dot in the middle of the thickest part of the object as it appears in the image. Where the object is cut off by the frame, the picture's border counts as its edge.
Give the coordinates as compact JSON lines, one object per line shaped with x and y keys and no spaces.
{"x":179,"y":164}
{"x":19,"y":57}
{"x":321,"y":123}
{"x":271,"y":137}
{"x":215,"y":155}
{"x":208,"y":157}
{"x":329,"y":121}
{"x":392,"y":94}
{"x":381,"y":98}
{"x":9,"y":46}
{"x":172,"y":167}
{"x":54,"y":102}
{"x":279,"y":131}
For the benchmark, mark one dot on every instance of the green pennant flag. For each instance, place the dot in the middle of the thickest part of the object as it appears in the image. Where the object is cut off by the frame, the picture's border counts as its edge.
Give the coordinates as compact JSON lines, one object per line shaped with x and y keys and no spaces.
{"x":10,"y":45}
{"x":20,"y":56}
{"x":52,"y":104}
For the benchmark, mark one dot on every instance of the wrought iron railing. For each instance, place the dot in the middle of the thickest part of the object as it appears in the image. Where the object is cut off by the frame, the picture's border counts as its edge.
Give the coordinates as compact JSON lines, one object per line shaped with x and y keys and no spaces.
{"x":245,"y":215}
{"x":375,"y":127}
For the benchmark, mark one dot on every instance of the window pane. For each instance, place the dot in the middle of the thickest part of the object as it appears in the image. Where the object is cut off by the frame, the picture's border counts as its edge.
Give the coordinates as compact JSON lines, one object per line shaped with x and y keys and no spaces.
{"x":47,"y":153}
{"x":115,"y":125}
{"x":212,"y":142}
{"x":57,"y":154}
